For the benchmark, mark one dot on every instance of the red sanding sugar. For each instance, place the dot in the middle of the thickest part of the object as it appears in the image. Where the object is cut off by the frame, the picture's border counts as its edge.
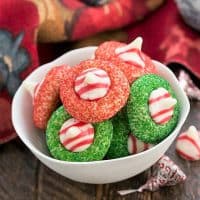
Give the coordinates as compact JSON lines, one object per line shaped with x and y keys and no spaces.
{"x":132,"y":70}
{"x":47,"y":98}
{"x":102,"y":108}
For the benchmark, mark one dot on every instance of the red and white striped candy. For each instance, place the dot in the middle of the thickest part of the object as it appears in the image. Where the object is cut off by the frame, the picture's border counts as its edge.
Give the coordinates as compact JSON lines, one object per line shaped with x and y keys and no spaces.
{"x":131,"y":53}
{"x":76,"y":136}
{"x":32,"y":88}
{"x":188,"y":144}
{"x":37,"y":88}
{"x":137,"y":146}
{"x":161,"y":105}
{"x":92,"y":84}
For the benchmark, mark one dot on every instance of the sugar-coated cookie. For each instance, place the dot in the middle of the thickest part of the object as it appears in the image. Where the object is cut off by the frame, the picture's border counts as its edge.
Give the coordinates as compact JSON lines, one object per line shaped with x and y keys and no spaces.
{"x":118,"y":147}
{"x":129,"y":58}
{"x":72,"y":140}
{"x":152,"y":108}
{"x":94,"y":91}
{"x":46,"y":95}
{"x":123,"y":142}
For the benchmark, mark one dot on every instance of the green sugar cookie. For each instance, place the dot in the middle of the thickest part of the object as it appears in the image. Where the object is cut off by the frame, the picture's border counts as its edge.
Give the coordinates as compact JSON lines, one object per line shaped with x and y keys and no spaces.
{"x":118,"y":147}
{"x":152,"y":109}
{"x":71,"y":140}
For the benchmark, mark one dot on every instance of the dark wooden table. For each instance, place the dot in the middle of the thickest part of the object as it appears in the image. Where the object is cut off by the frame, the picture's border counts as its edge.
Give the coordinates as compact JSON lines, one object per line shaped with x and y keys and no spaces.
{"x":23,"y":177}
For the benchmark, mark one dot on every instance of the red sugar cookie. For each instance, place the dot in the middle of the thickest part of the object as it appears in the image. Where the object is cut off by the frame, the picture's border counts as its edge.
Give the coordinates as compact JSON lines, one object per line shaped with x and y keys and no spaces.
{"x":113,"y":97}
{"x":46,"y":95}
{"x":129,"y":58}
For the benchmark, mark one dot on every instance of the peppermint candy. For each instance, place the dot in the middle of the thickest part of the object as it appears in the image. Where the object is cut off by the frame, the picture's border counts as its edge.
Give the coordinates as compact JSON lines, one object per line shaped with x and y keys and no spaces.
{"x":136,"y":146}
{"x":131,"y":53}
{"x":92,"y":84}
{"x":188,"y":144}
{"x":161,"y":105}
{"x":32,"y":88}
{"x":37,"y":88}
{"x":76,"y":136}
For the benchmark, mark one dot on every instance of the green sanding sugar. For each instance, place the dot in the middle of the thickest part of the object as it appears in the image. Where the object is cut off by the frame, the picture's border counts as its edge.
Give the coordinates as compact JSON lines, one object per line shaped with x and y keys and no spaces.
{"x":140,"y":121}
{"x":97,"y":150}
{"x":118,"y":147}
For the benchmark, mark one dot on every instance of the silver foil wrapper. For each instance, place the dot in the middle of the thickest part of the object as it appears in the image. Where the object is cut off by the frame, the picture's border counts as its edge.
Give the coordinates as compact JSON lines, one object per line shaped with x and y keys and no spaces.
{"x":165,"y":173}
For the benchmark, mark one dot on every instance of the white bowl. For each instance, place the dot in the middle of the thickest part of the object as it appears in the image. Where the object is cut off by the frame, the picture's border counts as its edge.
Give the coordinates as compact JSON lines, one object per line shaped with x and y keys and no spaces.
{"x":96,"y":172}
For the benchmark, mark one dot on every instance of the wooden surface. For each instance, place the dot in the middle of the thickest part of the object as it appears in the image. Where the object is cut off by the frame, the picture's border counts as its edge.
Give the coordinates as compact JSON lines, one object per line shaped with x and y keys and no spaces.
{"x":23,"y":177}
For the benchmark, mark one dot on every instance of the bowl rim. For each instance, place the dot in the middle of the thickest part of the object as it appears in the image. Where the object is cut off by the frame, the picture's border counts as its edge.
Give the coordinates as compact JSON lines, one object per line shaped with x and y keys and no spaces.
{"x":35,"y":151}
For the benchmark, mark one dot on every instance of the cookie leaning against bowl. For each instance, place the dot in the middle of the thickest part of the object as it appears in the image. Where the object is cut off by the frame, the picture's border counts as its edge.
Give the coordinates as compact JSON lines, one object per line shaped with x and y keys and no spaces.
{"x":152,"y":108}
{"x":69,"y":139}
{"x":45,"y":94}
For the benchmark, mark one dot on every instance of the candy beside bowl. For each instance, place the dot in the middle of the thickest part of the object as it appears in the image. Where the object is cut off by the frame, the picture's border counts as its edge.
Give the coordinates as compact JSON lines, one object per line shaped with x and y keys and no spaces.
{"x":96,"y":172}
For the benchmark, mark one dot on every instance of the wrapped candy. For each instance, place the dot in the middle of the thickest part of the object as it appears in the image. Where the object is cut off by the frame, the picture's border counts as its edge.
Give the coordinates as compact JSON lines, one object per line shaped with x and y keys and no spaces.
{"x":165,"y":173}
{"x":185,"y":81}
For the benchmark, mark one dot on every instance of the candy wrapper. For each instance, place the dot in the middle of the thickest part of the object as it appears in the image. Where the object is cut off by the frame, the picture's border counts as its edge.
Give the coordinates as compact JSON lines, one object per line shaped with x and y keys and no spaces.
{"x":185,"y":81}
{"x":165,"y":173}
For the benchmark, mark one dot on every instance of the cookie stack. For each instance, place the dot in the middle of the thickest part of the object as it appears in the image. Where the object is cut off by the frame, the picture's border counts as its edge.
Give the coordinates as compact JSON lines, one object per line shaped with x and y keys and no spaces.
{"x":107,"y":107}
